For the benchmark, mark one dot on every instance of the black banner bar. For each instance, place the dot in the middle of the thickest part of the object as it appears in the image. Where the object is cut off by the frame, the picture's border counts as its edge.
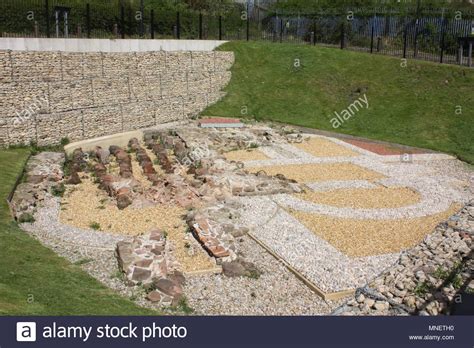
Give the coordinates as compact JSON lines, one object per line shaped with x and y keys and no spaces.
{"x":399,"y":332}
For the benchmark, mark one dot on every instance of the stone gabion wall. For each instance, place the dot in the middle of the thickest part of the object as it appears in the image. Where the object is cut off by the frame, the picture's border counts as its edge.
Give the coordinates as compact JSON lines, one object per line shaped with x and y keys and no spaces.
{"x":48,"y":96}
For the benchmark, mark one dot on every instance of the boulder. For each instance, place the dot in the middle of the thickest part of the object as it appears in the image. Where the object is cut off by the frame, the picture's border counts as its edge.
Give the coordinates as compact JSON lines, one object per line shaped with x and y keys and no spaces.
{"x":233,"y":269}
{"x":168,"y":287}
{"x":123,"y":253}
{"x":153,"y":296}
{"x":140,"y":274}
{"x":74,"y":179}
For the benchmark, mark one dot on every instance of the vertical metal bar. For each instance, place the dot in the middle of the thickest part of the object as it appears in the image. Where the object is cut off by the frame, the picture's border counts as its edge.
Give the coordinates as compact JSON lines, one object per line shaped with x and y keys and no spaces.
{"x":122,"y":21}
{"x":130,"y":22}
{"x":460,"y":52}
{"x":248,"y":22}
{"x":314,"y":32}
{"x":88,"y":20}
{"x":57,"y":23}
{"x":342,"y":35}
{"x":178,"y":26}
{"x":281,"y":30}
{"x":46,"y":15}
{"x":443,"y":33}
{"x":405,"y":41}
{"x":200,"y":25}
{"x":142,"y":15}
{"x":372,"y":38}
{"x":220,"y":27}
{"x":415,"y":44}
{"x":152,"y":24}
{"x":66,"y":29}
{"x":469,"y":57}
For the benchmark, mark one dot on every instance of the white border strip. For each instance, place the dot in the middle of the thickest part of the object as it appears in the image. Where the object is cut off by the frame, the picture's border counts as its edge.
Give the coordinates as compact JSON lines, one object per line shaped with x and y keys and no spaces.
{"x":106,"y":45}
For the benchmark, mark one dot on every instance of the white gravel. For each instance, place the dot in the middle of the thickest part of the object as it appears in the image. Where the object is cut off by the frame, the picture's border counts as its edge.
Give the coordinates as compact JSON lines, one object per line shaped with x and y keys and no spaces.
{"x":276,"y":292}
{"x":319,"y":261}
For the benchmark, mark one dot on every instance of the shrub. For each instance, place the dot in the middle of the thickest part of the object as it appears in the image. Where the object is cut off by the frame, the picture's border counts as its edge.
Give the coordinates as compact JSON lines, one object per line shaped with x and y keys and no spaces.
{"x":26,"y":217}
{"x":58,"y":190}
{"x":94,"y":225}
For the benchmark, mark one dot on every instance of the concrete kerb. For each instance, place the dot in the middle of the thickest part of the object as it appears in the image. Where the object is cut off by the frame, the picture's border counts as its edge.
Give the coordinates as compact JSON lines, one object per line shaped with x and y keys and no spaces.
{"x":119,"y":139}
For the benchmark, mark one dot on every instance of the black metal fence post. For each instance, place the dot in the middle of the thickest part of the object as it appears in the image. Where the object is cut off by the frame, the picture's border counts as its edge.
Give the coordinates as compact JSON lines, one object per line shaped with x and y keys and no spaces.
{"x":314,"y":32}
{"x":152,"y":24}
{"x":200,"y":25}
{"x":405,"y":41}
{"x":248,"y":23}
{"x":46,"y":15}
{"x":372,"y":37}
{"x":178,"y":26}
{"x":122,"y":21}
{"x":220,"y":27}
{"x":281,"y":30}
{"x":88,"y":20}
{"x":415,"y":43}
{"x":142,"y":14}
{"x":443,"y":33}
{"x":130,"y":22}
{"x":343,"y":35}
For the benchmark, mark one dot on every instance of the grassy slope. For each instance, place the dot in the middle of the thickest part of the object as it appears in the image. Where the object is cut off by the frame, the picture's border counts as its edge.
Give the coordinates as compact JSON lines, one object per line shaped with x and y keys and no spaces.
{"x":414,"y":105}
{"x":29,"y":270}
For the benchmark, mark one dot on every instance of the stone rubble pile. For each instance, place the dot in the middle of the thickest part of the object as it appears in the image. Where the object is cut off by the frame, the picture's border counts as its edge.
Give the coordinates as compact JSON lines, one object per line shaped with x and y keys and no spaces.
{"x":118,"y":188}
{"x":146,"y":261}
{"x":78,"y":164}
{"x":427,"y":279}
{"x":124,"y":161}
{"x":43,"y":172}
{"x":145,"y":161}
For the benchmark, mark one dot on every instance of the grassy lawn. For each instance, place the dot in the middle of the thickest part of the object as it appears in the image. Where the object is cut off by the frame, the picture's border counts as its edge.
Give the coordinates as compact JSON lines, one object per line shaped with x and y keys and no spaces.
{"x":34,"y":280}
{"x":414,"y":105}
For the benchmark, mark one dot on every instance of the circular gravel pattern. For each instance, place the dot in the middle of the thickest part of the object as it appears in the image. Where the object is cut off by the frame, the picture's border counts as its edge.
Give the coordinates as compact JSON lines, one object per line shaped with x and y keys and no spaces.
{"x":357,"y":238}
{"x":320,"y":147}
{"x":320,"y":172}
{"x":245,"y":155}
{"x":379,"y":197}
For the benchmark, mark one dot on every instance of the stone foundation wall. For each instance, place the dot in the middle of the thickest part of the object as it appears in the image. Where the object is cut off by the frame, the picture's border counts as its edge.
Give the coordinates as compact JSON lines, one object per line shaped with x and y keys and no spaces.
{"x":48,"y":96}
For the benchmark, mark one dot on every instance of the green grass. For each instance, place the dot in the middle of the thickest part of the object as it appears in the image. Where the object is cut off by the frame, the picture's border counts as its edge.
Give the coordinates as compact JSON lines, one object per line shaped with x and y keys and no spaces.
{"x":34,"y":280}
{"x":413,"y":105}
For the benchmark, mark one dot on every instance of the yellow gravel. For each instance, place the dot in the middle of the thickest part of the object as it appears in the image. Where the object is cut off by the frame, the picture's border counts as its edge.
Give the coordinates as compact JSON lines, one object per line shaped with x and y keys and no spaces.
{"x":113,"y":166}
{"x":85,"y":204}
{"x":138,"y":173}
{"x":245,"y":155}
{"x":320,"y":147}
{"x":380,"y":197}
{"x":358,"y":238}
{"x":306,"y":173}
{"x":154,"y":160}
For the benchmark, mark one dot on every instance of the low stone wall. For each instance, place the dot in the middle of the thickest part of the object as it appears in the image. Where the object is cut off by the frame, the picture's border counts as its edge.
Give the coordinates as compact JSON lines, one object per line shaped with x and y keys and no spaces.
{"x":48,"y":96}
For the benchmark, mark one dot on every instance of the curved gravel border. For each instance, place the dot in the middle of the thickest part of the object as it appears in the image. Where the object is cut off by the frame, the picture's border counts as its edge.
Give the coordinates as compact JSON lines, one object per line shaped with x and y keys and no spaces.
{"x":319,"y":261}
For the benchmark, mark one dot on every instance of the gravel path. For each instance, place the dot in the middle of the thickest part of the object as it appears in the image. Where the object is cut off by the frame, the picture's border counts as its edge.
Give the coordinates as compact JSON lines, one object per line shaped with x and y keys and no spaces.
{"x":276,"y":292}
{"x":319,"y":261}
